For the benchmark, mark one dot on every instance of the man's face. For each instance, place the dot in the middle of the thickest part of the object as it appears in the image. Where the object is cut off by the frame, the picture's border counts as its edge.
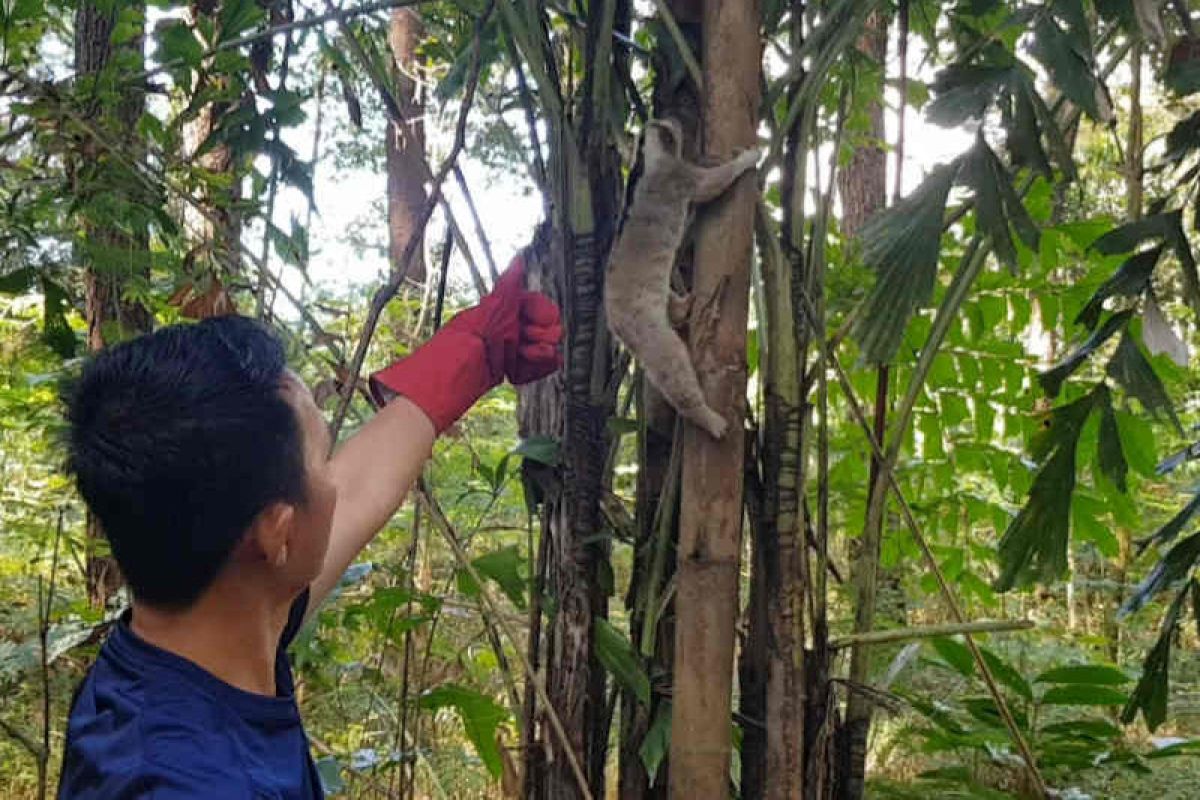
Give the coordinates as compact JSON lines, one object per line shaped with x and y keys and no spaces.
{"x":314,"y":517}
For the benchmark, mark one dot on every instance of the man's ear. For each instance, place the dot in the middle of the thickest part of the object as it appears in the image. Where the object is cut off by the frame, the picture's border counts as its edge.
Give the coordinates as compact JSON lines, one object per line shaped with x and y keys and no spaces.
{"x":271,"y":532}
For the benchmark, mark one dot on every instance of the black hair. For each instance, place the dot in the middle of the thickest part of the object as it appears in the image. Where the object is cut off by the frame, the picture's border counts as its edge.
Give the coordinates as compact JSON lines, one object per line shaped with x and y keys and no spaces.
{"x":177,"y":440}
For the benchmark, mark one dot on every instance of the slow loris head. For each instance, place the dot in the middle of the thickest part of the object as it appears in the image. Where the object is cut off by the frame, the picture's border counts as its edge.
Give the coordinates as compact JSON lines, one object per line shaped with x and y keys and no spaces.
{"x":664,"y":142}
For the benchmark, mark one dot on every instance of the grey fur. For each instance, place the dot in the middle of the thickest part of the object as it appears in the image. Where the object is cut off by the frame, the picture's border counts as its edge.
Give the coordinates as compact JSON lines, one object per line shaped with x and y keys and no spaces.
{"x":642,"y":310}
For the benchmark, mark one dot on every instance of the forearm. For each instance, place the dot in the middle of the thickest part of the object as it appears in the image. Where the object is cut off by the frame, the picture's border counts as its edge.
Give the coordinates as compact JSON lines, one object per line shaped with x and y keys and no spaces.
{"x":373,"y":471}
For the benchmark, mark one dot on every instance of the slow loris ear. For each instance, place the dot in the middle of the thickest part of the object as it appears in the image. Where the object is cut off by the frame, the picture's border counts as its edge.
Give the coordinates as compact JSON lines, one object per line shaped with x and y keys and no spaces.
{"x":668,"y":135}
{"x":676,"y":130}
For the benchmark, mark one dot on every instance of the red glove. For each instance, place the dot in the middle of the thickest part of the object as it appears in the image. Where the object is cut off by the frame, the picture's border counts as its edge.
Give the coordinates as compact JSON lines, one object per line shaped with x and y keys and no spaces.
{"x":513,"y":333}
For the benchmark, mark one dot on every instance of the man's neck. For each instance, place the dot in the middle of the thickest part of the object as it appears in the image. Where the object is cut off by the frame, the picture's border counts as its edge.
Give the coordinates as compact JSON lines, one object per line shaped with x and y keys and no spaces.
{"x":231,"y":634}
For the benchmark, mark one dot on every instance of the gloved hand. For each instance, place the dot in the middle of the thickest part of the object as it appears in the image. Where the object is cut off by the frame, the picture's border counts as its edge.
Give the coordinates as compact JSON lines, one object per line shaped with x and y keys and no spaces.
{"x":513,"y":333}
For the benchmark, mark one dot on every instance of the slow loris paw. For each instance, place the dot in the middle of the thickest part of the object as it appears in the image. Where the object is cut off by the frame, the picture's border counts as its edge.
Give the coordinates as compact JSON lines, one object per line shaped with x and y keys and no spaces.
{"x":748,"y":159}
{"x":711,"y":421}
{"x":679,"y":306}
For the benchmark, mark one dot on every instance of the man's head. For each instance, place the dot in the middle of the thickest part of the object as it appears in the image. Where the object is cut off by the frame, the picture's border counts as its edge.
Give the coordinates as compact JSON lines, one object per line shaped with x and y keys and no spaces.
{"x":196,"y":449}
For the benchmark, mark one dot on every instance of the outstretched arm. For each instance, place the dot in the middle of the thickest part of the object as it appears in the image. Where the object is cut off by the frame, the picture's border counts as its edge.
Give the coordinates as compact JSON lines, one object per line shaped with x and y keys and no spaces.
{"x":373,"y":471}
{"x":512,"y":333}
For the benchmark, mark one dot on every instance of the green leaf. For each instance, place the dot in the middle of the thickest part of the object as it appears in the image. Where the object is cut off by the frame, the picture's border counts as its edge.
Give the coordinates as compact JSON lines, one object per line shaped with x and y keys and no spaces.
{"x":989,"y":207}
{"x":1070,"y":68}
{"x":984,"y":709}
{"x":1024,"y":139}
{"x":1061,"y":150}
{"x":542,"y":449}
{"x":619,"y":658}
{"x":1182,"y":75}
{"x":1083,"y":728}
{"x":480,"y":716}
{"x":1125,"y":238}
{"x":657,"y":743}
{"x":19,"y":281}
{"x":1034,"y":547}
{"x":1133,"y":371}
{"x":1167,"y":533}
{"x":291,"y":247}
{"x":902,"y":245}
{"x":178,"y":43}
{"x":1052,"y":379}
{"x":238,"y":16}
{"x":1150,"y":694}
{"x":1132,"y":278}
{"x":1083,"y":695}
{"x":504,"y":566}
{"x":56,"y":331}
{"x":1183,"y":139}
{"x":1173,"y":567}
{"x":963,"y":93}
{"x":955,"y":654}
{"x":1007,"y":674}
{"x":1137,"y":442}
{"x":1094,"y":674}
{"x":1109,"y":455}
{"x":934,"y":712}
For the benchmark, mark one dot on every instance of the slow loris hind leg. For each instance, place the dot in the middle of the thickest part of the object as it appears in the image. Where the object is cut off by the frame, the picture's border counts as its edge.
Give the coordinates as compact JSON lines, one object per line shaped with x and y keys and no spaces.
{"x":711,"y":182}
{"x":669,"y":367}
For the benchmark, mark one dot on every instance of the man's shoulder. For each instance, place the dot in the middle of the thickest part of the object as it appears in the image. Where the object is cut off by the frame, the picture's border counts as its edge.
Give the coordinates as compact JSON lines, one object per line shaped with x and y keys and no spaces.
{"x":148,"y":734}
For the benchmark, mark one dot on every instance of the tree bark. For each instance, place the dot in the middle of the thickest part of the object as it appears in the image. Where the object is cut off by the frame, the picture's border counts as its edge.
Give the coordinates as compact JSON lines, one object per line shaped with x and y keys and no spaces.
{"x":405,"y":146}
{"x":109,"y":314}
{"x":863,"y":189}
{"x":711,"y":517}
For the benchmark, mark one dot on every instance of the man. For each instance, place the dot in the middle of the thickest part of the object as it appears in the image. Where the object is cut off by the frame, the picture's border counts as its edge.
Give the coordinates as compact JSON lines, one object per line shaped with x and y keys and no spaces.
{"x":207,"y":464}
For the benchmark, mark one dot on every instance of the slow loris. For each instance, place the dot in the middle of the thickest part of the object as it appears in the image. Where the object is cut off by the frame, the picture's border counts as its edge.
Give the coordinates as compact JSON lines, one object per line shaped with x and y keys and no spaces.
{"x":642,"y":310}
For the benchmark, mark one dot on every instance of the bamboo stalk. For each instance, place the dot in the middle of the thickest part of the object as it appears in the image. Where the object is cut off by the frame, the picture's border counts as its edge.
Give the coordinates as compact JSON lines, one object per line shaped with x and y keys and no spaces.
{"x":930,"y":631}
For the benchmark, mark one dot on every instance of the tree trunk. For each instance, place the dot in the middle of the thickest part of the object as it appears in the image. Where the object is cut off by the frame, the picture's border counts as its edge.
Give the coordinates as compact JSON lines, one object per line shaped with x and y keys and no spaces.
{"x":215,"y":227}
{"x":109,"y":314}
{"x":711,"y":516}
{"x":405,"y":145}
{"x":654,"y":567}
{"x":587,"y":206}
{"x":863,"y":189}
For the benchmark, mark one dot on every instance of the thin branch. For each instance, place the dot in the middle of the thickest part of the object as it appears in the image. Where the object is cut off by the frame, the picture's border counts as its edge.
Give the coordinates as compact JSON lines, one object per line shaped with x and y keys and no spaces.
{"x":902,"y":113}
{"x":930,"y":631}
{"x":461,"y":180}
{"x":540,"y":173}
{"x":681,"y":44}
{"x":45,"y":608}
{"x":460,"y":241}
{"x":440,"y":303}
{"x":388,"y":290}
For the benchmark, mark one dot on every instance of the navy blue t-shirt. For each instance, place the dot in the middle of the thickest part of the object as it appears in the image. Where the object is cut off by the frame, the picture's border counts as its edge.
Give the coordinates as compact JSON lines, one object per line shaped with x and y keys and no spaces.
{"x":146,"y":723}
